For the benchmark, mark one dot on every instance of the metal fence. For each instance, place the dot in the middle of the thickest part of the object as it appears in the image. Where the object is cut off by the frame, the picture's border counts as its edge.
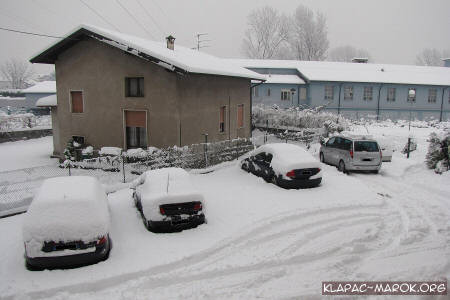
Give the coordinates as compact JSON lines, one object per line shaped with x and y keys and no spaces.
{"x":19,"y":186}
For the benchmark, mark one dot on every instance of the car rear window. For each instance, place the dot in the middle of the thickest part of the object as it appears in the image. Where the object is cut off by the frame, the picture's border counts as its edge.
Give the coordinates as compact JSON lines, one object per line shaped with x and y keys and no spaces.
{"x":366,"y":146}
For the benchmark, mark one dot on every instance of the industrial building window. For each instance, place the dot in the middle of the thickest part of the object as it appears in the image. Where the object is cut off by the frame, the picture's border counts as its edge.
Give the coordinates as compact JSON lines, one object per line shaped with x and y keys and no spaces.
{"x":268,"y":92}
{"x":240,"y":116}
{"x":411,"y":97}
{"x":368,"y":93}
{"x":255,"y":91}
{"x":223,"y":117}
{"x":76,"y":99}
{"x":302,"y":93}
{"x":134,"y":87}
{"x":285,"y":94}
{"x":391,"y":95}
{"x":348,"y":93}
{"x":432,"y":94}
{"x":329,"y":92}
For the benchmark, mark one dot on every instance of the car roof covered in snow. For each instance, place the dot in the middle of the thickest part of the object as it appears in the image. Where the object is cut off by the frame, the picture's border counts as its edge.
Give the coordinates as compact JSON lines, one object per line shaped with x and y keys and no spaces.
{"x":355,"y":72}
{"x":287,"y":157}
{"x":165,"y":186}
{"x":44,"y":87}
{"x":180,"y":59}
{"x":67,"y":209}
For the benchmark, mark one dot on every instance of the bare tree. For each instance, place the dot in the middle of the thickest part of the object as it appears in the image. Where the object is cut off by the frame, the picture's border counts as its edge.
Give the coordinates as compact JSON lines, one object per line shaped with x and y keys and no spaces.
{"x":431,"y":57}
{"x":308,"y":38}
{"x":266,"y":33}
{"x":16,"y":71}
{"x":347,"y":53}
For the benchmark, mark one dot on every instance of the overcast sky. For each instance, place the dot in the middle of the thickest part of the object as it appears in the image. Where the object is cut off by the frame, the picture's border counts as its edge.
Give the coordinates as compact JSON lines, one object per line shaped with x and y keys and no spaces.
{"x":393,"y":31}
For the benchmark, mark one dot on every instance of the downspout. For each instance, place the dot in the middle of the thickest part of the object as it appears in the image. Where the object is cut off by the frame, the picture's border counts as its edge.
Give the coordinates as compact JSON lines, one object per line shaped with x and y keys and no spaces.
{"x":298,"y":94}
{"x":251,"y":102}
{"x":442,"y":103}
{"x":339,"y":102}
{"x":378,"y":105}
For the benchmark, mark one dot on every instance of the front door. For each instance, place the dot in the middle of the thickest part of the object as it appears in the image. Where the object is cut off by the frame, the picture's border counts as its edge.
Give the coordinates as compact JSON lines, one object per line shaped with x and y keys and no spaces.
{"x":135,"y":129}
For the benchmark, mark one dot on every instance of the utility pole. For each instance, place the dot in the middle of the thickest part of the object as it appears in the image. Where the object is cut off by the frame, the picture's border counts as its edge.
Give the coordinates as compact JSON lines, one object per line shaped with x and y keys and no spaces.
{"x":200,"y":41}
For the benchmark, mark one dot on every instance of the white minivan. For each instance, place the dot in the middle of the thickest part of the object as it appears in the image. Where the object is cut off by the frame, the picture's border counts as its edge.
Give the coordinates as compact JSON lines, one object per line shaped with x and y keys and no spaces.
{"x":356,"y":153}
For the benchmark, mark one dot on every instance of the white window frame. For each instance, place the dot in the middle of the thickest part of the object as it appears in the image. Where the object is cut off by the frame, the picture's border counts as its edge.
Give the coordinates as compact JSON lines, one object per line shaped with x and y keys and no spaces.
{"x":432,"y":95}
{"x":389,"y":94}
{"x":286,"y":95}
{"x":368,"y":96}
{"x":329,"y":92}
{"x":348,"y":92}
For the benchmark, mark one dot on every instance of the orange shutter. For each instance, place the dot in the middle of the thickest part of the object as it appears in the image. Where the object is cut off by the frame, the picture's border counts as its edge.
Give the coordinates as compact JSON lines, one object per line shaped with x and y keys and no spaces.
{"x":240,"y":116}
{"x":77,"y":102}
{"x":135,"y":119}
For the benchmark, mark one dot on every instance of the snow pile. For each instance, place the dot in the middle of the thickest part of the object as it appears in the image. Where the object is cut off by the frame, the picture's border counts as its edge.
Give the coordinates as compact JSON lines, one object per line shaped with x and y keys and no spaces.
{"x":89,"y":150}
{"x":66,"y":209}
{"x":138,"y":153}
{"x":110,"y":151}
{"x":287,"y":157}
{"x":165,"y":186}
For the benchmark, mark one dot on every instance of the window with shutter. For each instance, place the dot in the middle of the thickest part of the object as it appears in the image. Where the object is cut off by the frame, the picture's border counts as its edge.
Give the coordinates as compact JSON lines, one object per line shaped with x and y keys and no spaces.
{"x":76,"y":99}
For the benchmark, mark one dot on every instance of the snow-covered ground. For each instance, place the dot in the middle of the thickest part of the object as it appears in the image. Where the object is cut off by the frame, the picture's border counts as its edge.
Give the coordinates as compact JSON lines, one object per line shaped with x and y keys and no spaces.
{"x":26,"y":154}
{"x":262,"y":241}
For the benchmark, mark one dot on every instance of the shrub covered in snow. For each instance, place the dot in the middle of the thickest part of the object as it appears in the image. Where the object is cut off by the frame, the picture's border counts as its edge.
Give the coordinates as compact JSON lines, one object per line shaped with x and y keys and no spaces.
{"x":437,"y":157}
{"x":296,"y":117}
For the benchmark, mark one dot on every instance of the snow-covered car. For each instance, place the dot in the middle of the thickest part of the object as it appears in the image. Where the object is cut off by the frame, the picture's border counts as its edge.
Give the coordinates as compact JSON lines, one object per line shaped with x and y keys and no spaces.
{"x":285,"y":165}
{"x":67,"y":224}
{"x":167,"y":200}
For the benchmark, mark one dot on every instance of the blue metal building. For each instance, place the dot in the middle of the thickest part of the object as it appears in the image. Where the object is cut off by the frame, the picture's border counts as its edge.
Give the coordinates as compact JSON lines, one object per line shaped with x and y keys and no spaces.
{"x":355,"y":90}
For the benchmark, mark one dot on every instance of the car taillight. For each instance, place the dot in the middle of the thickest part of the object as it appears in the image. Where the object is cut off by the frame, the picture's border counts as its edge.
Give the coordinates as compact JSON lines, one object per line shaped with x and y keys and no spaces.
{"x":290,"y":174}
{"x":351,"y":153}
{"x":197,"y":206}
{"x":162,"y":211}
{"x":102,"y":240}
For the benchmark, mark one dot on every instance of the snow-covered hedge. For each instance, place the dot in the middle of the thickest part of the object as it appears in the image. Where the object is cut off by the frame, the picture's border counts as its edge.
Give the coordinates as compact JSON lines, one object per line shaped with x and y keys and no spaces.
{"x":437,"y":157}
{"x":22,"y":121}
{"x":297,"y":118}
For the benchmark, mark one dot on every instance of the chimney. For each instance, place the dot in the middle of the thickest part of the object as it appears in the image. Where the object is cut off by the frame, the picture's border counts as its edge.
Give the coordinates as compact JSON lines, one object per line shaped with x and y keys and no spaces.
{"x":170,"y":42}
{"x":360,"y":60}
{"x":446,"y":62}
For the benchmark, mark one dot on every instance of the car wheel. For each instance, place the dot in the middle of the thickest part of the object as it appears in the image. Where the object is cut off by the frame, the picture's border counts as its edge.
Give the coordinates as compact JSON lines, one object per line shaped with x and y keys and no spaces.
{"x":341,"y":167}
{"x":322,"y":159}
{"x":274,"y":180}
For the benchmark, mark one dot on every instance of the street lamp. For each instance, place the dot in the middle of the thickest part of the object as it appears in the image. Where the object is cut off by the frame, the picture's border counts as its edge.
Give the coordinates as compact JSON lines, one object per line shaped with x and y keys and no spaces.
{"x":411,"y":98}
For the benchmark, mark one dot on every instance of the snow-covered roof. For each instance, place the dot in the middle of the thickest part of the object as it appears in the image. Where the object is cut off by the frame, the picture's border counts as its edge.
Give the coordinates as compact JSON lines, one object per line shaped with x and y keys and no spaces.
{"x":289,"y":79}
{"x":44,"y":87}
{"x":355,"y":72}
{"x":46,"y":101}
{"x":183,"y":58}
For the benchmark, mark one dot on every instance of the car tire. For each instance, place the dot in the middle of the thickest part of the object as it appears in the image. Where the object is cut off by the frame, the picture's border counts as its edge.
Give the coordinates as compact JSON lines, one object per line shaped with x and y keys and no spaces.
{"x":341,"y":167}
{"x":274,"y":180}
{"x":322,"y":159}
{"x":32,"y":268}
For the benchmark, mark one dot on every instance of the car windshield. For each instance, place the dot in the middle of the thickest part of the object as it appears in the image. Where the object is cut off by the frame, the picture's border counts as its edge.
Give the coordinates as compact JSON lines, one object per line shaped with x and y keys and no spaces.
{"x":366,"y":146}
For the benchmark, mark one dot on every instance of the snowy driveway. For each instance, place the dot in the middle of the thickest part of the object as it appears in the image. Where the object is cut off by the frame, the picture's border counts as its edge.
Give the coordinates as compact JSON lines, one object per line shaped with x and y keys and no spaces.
{"x":261,"y":241}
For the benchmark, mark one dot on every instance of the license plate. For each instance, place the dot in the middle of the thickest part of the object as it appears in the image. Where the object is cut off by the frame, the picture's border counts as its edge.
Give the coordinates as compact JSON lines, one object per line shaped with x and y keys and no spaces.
{"x":367,"y":159}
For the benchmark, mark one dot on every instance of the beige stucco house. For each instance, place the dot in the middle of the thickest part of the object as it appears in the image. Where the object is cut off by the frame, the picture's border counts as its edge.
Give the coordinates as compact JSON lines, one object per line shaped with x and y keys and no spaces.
{"x":124,"y":91}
